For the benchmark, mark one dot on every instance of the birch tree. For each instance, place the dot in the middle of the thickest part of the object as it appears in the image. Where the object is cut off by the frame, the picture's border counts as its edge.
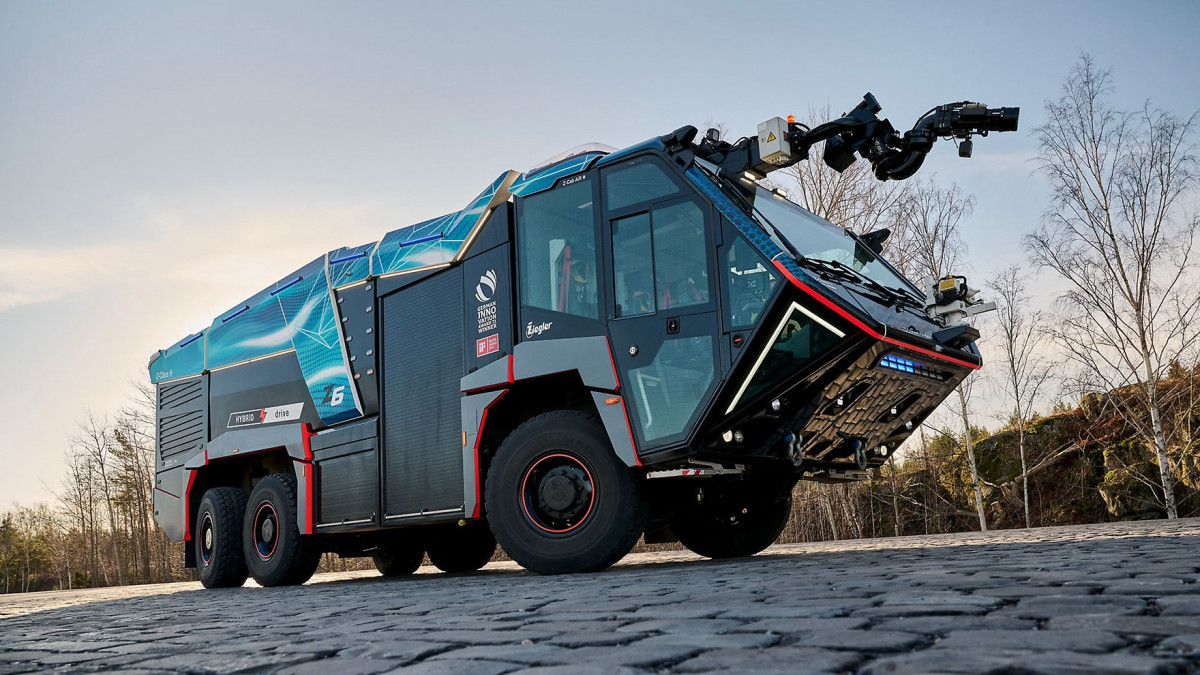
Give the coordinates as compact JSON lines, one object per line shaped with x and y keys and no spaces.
{"x":1021,"y":337}
{"x":1117,"y":232}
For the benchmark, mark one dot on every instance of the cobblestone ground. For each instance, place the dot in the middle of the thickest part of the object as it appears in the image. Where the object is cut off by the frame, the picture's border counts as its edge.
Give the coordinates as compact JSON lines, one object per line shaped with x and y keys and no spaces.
{"x":1099,"y":599}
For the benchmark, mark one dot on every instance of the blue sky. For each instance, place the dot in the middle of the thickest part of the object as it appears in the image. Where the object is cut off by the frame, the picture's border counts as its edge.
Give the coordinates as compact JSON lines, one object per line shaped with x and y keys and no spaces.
{"x":159,"y":162}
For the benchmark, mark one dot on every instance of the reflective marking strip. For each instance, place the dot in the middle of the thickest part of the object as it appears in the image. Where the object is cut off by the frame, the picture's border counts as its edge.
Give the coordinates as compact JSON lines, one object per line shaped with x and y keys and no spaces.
{"x":819,"y":320}
{"x":763,"y":356}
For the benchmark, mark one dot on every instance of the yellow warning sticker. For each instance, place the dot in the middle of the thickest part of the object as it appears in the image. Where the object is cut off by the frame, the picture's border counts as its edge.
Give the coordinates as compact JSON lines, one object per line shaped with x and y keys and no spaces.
{"x":770,"y":136}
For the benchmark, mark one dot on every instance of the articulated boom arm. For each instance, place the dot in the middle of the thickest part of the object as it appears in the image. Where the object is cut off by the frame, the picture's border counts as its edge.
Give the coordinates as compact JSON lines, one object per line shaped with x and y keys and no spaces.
{"x":893,"y":156}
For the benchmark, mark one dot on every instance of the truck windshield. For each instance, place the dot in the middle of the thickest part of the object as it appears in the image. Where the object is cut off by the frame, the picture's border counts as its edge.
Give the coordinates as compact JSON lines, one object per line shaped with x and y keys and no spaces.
{"x":818,"y":239}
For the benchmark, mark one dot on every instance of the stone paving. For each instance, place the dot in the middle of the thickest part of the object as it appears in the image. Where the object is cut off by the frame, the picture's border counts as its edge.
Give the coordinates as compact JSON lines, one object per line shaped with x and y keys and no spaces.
{"x":1114,"y":598}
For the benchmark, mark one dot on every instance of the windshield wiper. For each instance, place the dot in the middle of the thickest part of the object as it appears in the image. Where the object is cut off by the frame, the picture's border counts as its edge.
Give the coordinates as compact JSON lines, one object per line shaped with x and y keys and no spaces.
{"x":893,"y":295}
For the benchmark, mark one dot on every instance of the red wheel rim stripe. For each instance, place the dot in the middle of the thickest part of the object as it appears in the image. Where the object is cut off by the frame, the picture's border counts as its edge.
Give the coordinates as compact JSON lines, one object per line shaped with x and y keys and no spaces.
{"x":591,"y":502}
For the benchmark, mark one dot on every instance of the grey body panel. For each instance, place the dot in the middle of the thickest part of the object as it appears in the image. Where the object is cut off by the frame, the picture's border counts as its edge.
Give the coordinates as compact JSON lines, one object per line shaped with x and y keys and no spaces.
{"x":288,"y":436}
{"x":473,"y":410}
{"x":169,"y":501}
{"x":494,"y":374}
{"x":616,"y":424}
{"x":589,"y":356}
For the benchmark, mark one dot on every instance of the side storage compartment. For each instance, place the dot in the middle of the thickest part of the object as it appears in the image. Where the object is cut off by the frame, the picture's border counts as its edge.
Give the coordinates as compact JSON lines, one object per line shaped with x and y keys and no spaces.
{"x":423,"y":350}
{"x":347,"y":470}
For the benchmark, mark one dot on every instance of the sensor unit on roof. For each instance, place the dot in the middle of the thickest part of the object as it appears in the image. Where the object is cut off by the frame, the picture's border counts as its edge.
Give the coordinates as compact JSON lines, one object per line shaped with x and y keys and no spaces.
{"x":773,"y":146}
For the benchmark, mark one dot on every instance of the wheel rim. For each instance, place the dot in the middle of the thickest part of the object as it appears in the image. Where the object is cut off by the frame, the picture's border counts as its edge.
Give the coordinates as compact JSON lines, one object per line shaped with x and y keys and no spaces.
{"x":266,"y":531}
{"x":206,"y":538}
{"x":558,"y":493}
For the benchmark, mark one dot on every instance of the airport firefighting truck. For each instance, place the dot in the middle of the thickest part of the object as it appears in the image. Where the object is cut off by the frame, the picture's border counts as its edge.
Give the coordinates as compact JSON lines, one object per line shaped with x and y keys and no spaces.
{"x":614,"y":344}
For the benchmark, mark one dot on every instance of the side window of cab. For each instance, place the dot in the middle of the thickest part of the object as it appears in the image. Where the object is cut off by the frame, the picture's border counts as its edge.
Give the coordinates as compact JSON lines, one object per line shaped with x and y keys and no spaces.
{"x":558,"y":251}
{"x":659,"y":240}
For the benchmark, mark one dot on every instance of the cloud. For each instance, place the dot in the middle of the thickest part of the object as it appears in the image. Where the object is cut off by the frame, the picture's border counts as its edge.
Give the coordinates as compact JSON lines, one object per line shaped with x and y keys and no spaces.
{"x":29,"y":276}
{"x":221,"y":259}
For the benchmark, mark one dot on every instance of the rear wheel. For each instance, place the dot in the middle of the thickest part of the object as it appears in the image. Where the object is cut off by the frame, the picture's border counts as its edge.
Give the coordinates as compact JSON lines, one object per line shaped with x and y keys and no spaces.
{"x":558,"y":498}
{"x":400,"y":556}
{"x":461,"y":549}
{"x":736,"y":521}
{"x":276,"y":553}
{"x":218,"y":538}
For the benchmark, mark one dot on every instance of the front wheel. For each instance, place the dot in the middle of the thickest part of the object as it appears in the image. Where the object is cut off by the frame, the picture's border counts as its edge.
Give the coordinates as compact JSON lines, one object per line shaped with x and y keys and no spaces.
{"x":732,"y":523}
{"x":276,"y":553}
{"x":558,"y":498}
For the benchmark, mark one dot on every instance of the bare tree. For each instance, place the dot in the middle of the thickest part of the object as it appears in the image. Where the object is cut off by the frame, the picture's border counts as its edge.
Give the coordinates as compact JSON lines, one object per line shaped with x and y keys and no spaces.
{"x":931,"y":232}
{"x":94,"y":438}
{"x":1116,"y":232}
{"x":933,"y":216}
{"x":1025,"y":368}
{"x":964,"y":397}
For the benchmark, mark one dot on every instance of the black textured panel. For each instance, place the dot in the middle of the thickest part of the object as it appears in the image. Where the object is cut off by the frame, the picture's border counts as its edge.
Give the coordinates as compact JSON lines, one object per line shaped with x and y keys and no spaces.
{"x":355,"y":307}
{"x":347,"y":488}
{"x":422,"y":329}
{"x":182,"y":420}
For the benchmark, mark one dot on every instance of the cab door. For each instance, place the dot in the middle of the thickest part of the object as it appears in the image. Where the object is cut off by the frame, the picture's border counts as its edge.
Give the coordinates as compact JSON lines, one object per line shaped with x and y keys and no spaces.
{"x":662,"y":313}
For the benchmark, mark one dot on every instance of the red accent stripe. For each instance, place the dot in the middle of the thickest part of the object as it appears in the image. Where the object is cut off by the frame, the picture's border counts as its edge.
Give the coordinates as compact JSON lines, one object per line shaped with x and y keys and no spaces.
{"x":613,"y":361}
{"x":629,"y":428}
{"x":479,"y":437}
{"x":862,"y":326}
{"x":187,"y":498}
{"x":166,"y":493}
{"x":511,"y":379}
{"x":306,"y":433}
{"x":617,"y":378}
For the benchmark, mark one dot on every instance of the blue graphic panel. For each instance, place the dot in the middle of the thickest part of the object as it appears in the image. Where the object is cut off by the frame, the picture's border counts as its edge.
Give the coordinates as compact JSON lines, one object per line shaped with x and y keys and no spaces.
{"x":544,"y":180}
{"x":307,"y":307}
{"x":465,"y":220}
{"x":434,"y":241}
{"x":181,"y":359}
{"x":249,"y":331}
{"x":298,"y":312}
{"x":350,"y":265}
{"x":416,"y":246}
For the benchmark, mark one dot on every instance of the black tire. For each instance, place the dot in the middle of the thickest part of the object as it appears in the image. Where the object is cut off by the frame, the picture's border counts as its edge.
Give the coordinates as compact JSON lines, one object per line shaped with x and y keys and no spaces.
{"x":218,"y":538}
{"x":400,"y":556}
{"x":558,"y":498}
{"x":736,"y":522}
{"x":460,"y":549}
{"x":276,"y":553}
